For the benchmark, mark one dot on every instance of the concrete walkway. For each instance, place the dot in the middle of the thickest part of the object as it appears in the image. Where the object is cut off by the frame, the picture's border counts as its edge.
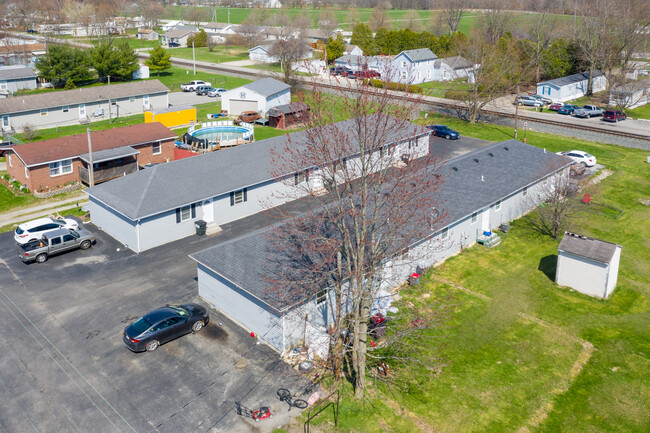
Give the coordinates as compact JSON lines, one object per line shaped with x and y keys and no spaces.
{"x":39,"y":210}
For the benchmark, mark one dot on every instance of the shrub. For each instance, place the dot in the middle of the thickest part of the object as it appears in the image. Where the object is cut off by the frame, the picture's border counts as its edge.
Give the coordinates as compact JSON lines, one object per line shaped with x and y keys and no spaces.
{"x":409,"y":88}
{"x":29,"y":132}
{"x":6,"y":177}
{"x":16,"y":184}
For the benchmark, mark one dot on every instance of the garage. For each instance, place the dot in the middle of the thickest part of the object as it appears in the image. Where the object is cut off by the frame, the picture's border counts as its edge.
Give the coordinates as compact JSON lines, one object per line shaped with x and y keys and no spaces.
{"x":238,"y":106}
{"x":260,"y":96}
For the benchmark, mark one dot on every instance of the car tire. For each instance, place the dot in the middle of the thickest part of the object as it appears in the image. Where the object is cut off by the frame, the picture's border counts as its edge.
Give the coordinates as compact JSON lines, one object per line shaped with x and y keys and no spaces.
{"x":152,"y":345}
{"x":85,"y":245}
{"x":584,"y":164}
{"x":447,"y":136}
{"x":588,"y":115}
{"x":198,"y":325}
{"x":41,"y":258}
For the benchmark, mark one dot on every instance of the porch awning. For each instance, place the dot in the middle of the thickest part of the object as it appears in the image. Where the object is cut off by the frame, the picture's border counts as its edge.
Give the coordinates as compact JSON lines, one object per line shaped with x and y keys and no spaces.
{"x":109,"y":154}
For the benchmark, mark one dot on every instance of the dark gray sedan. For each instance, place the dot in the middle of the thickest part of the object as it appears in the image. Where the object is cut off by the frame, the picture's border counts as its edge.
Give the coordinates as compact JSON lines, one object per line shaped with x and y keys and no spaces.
{"x":164,"y":324}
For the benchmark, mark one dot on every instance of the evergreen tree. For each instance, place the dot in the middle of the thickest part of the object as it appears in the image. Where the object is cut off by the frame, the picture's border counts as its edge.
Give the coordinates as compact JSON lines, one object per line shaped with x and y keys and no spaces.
{"x":104,"y":59}
{"x":127,"y":61}
{"x":62,"y":64}
{"x":115,"y":59}
{"x":199,"y":39}
{"x":385,"y":41}
{"x":362,"y":36}
{"x":561,"y":59}
{"x":159,"y":59}
{"x":335,"y":47}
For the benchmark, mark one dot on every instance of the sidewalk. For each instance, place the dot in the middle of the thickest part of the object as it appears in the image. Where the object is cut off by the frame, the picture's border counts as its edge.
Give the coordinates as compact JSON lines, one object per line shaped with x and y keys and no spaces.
{"x":39,"y":210}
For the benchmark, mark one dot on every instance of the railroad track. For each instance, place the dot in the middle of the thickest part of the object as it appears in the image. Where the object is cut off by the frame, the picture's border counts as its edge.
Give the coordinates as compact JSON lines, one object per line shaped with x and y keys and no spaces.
{"x":451,"y":106}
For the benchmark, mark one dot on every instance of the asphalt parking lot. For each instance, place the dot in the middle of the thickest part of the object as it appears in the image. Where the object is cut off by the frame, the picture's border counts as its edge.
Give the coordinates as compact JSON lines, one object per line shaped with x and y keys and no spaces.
{"x":448,"y":149}
{"x":64,"y":367}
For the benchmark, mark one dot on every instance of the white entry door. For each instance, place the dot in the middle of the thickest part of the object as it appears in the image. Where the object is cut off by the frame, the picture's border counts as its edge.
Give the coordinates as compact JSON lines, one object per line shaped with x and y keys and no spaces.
{"x":208,"y":211}
{"x":82,"y":110}
{"x":485,"y":220}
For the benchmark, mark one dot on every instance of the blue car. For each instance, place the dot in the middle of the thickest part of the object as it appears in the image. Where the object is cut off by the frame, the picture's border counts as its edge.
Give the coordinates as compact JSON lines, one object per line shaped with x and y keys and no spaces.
{"x":567,"y":109}
{"x":444,"y":131}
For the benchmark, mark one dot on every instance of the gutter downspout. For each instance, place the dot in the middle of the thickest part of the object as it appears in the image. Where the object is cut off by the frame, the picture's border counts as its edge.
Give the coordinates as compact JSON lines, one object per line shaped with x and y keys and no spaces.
{"x":137,"y":234}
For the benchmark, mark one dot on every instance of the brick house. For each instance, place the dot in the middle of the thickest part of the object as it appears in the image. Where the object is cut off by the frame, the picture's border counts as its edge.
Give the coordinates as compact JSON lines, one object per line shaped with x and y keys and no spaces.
{"x":51,"y":164}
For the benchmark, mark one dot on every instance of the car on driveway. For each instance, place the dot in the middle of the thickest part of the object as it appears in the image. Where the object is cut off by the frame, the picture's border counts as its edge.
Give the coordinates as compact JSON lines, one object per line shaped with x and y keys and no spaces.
{"x":543,"y":99}
{"x":588,"y":111}
{"x":164,"y":324}
{"x":556,"y":106}
{"x":614,"y":115}
{"x":528,"y":101}
{"x":580,"y":157}
{"x":567,"y":109}
{"x":55,"y":242}
{"x":34,"y":230}
{"x":203,"y":90}
{"x":216,"y":91}
{"x":444,"y":131}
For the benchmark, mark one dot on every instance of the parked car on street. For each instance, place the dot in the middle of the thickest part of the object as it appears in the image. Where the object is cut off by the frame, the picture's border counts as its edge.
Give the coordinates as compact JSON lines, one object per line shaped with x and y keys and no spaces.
{"x":614,"y":115}
{"x":341,"y":70}
{"x":203,"y":90}
{"x":35,"y":229}
{"x":556,"y":106}
{"x":366,"y":73}
{"x":567,"y":109}
{"x":192,"y":85}
{"x":55,"y":242}
{"x":543,"y":99}
{"x":528,"y":101}
{"x":580,"y":157}
{"x":588,"y":111}
{"x":444,"y":131}
{"x":216,"y":91}
{"x":173,"y":44}
{"x":164,"y":324}
{"x":249,"y":116}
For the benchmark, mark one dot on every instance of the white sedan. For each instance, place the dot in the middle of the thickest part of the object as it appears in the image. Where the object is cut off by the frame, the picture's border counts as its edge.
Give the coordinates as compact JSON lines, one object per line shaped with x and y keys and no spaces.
{"x":580,"y":157}
{"x":37,"y":228}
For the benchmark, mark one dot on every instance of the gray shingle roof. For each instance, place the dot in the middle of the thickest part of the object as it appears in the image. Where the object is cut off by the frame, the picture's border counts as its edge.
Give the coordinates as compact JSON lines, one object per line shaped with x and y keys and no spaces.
{"x":587,"y":247}
{"x":420,"y":55}
{"x":16,"y":72}
{"x":267,"y":86}
{"x":179,"y":183}
{"x":456,"y":62}
{"x":109,"y":154}
{"x":575,"y":78}
{"x":506,"y":167}
{"x":80,"y":96}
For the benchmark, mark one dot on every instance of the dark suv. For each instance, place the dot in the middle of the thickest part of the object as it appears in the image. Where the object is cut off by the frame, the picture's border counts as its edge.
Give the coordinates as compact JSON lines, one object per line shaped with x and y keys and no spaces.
{"x":203,"y":90}
{"x":444,"y":131}
{"x":614,"y":115}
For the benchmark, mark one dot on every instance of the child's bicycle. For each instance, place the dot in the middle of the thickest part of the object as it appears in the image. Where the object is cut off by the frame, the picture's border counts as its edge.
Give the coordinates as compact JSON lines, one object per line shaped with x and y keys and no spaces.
{"x":285,"y":396}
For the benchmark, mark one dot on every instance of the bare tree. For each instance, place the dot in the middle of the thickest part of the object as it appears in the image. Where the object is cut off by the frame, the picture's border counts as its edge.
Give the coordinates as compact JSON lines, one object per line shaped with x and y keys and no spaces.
{"x":327,"y":21}
{"x":248,"y":35}
{"x":379,"y":19}
{"x":412,"y":21}
{"x":381,"y":197}
{"x":495,"y":72}
{"x":289,"y":51}
{"x":151,"y":13}
{"x":495,"y":22}
{"x":559,"y":205}
{"x":452,"y":12}
{"x":540,"y":32}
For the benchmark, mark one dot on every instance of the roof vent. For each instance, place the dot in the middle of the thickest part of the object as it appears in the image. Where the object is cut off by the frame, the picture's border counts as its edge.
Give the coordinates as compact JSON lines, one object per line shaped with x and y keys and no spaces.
{"x":506,"y":148}
{"x":476,"y":160}
{"x":491,"y":154}
{"x":455,"y":168}
{"x":482,"y":178}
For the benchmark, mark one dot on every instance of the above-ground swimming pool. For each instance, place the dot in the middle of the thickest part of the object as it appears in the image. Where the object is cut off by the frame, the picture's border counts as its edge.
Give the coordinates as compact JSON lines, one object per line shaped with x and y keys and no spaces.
{"x":221,"y":133}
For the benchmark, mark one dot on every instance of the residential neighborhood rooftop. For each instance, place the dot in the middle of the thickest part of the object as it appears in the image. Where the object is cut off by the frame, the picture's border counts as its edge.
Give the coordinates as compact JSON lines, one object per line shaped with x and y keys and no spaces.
{"x":456,"y":62}
{"x":56,"y":149}
{"x":16,"y":72}
{"x":589,"y":248}
{"x":570,"y":79}
{"x":267,"y":86}
{"x":420,"y":55}
{"x":80,"y":96}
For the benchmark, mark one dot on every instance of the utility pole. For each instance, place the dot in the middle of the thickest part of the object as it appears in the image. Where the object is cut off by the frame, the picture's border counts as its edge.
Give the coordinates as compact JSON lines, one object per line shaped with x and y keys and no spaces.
{"x":193,"y":58}
{"x":110,"y":116}
{"x":516,"y":110}
{"x":91,"y":174}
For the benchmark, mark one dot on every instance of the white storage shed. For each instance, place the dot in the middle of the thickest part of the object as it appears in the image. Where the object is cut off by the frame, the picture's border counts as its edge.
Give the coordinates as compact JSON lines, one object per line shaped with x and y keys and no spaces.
{"x":588,"y":265}
{"x":260,"y":96}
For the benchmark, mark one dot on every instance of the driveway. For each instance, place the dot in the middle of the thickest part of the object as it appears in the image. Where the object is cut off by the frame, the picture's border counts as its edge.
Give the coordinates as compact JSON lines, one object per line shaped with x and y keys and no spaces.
{"x":448,"y":149}
{"x":64,"y":367}
{"x":190,"y":98}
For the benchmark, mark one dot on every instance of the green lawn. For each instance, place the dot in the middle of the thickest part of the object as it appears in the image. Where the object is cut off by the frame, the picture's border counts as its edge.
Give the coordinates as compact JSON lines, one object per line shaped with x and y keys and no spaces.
{"x":220,"y":54}
{"x":175,"y":76}
{"x":642,"y":112}
{"x":513,"y":358}
{"x":440,"y":88}
{"x":271,"y":67}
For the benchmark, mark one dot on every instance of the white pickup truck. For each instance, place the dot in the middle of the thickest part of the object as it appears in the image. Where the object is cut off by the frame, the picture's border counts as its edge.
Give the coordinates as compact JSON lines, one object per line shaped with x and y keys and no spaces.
{"x":192,"y":85}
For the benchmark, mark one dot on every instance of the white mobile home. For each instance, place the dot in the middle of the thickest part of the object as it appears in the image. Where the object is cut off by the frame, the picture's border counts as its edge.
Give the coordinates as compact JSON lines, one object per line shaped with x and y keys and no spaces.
{"x":260,"y":96}
{"x":571,"y":87}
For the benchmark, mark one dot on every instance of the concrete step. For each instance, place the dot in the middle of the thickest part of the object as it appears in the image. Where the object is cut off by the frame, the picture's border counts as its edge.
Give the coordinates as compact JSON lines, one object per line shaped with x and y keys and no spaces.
{"x":212,"y":228}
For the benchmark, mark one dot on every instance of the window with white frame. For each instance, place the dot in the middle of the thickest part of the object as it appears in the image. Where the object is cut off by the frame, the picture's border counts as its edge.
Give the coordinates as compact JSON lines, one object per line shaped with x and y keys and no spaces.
{"x":43,"y":111}
{"x":497,"y":205}
{"x":300,"y":177}
{"x":131,"y":99}
{"x":403,"y":63}
{"x":404,"y":74}
{"x":60,"y":167}
{"x":65,"y":108}
{"x":321,"y":296}
{"x":474,"y":217}
{"x":525,"y":191}
{"x":155,"y":148}
{"x":444,"y":233}
{"x":5,"y":121}
{"x":3,"y":85}
{"x":237,"y":197}
{"x":186,"y":213}
{"x":145,"y":100}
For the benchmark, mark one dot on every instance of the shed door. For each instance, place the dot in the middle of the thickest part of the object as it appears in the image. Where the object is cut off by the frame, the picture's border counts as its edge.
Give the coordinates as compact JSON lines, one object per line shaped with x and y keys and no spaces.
{"x":237,"y":106}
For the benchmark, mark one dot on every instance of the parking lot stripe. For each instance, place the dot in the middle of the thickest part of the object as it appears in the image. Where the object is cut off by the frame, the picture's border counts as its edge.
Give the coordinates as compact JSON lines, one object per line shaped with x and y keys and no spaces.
{"x":49,"y":353}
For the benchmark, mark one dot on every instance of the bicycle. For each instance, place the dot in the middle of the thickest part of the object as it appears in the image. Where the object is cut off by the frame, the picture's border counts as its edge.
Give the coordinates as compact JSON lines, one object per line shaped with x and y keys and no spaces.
{"x":285,"y":396}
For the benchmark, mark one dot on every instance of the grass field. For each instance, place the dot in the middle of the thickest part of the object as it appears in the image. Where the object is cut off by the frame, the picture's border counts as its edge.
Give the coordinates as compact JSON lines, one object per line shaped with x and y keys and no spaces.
{"x":642,"y":112}
{"x":517,"y":356}
{"x":439,"y":88}
{"x":175,"y":76}
{"x":219,"y":55}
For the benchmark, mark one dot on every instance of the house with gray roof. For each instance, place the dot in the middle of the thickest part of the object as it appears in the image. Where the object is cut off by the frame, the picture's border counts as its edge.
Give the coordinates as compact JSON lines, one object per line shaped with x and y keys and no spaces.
{"x":413,"y":66}
{"x":178,"y":35}
{"x":482,"y":189}
{"x":16,"y":77}
{"x":260,"y":96}
{"x":588,"y":265}
{"x":83,"y":105}
{"x":452,"y":68}
{"x":161,"y":204}
{"x":571,"y":87}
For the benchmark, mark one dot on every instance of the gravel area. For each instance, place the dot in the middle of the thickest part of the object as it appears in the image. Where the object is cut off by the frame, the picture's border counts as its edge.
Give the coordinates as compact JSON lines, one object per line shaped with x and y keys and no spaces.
{"x":559,"y":130}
